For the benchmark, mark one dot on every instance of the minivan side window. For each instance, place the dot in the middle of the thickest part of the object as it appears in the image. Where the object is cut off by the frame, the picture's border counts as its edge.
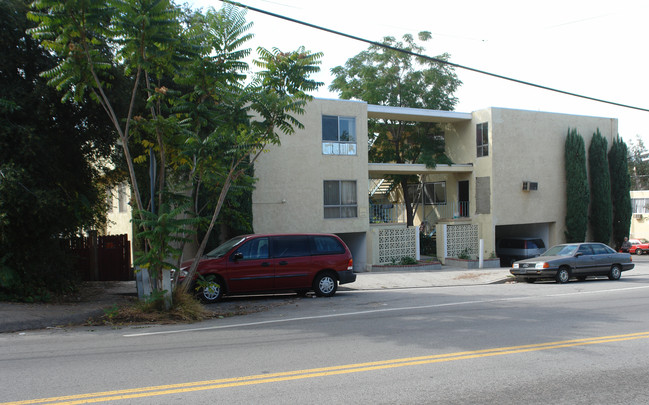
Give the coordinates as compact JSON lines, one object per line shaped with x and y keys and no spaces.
{"x":535,"y":244}
{"x":326,"y":245}
{"x":254,"y":249}
{"x":291,"y":246}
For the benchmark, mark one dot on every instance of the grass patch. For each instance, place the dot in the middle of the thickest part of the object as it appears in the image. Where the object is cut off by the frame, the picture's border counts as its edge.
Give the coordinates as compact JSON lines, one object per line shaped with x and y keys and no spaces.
{"x":186,"y":309}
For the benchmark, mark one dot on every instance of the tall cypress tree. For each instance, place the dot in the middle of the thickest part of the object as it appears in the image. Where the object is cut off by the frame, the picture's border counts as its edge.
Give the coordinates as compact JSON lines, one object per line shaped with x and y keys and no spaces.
{"x":620,"y":190}
{"x":600,"y":186}
{"x":577,"y":192}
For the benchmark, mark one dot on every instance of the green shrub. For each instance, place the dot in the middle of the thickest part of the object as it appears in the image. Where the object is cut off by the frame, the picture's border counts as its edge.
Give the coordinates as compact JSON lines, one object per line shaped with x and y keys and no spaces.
{"x":465,"y":254}
{"x":405,"y":261}
{"x":427,"y":245}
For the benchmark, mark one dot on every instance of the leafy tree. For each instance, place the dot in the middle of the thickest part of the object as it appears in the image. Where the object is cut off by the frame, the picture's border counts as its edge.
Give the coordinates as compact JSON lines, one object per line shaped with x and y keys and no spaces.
{"x":620,"y":190}
{"x":279,"y":90}
{"x":600,"y":189}
{"x":576,"y":188}
{"x":144,"y":40}
{"x":50,"y":155}
{"x":638,"y":164}
{"x":188,"y":70}
{"x":386,"y":76}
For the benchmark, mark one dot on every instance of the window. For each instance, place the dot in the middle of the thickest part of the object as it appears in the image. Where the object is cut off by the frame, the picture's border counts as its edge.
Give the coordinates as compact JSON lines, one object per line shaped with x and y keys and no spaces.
{"x":291,"y":246}
{"x":338,"y":135}
{"x":254,"y":249}
{"x":482,"y":139}
{"x":600,"y":250}
{"x":435,"y":193}
{"x":109,"y":200}
{"x":122,"y":198}
{"x":585,"y":250}
{"x":326,"y":245}
{"x":640,"y":205}
{"x":340,"y":199}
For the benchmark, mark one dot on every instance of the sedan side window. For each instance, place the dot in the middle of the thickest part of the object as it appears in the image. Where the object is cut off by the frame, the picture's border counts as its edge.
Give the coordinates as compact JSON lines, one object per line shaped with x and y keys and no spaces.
{"x":600,"y":250}
{"x":585,"y":250}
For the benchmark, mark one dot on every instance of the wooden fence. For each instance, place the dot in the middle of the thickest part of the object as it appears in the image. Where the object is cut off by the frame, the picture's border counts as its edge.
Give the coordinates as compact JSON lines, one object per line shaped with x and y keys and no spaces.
{"x":102,"y":258}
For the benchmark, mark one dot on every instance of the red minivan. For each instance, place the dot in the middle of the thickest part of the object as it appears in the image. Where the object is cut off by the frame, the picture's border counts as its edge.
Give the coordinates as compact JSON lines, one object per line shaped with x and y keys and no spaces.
{"x":282,"y":262}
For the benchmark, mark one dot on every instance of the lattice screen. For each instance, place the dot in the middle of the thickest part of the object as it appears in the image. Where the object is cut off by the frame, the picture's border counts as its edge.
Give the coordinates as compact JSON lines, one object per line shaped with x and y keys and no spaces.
{"x":461,"y":237}
{"x":396,"y":243}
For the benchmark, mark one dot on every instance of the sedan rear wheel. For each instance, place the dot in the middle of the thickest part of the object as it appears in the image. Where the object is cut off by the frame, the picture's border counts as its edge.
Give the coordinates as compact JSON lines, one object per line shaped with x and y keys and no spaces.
{"x":615,"y":272}
{"x":563,"y":275}
{"x":638,"y":252}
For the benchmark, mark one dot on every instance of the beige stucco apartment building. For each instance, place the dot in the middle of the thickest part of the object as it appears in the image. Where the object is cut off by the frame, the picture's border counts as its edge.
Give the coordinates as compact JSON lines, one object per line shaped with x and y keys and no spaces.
{"x":640,"y":219}
{"x":508,"y":179}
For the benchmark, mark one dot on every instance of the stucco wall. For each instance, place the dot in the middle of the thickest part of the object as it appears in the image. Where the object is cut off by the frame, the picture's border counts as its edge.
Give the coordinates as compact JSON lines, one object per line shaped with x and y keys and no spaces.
{"x":529,"y":146}
{"x":119,"y":222}
{"x":639,"y":222}
{"x":289,"y":194}
{"x":523,"y":146}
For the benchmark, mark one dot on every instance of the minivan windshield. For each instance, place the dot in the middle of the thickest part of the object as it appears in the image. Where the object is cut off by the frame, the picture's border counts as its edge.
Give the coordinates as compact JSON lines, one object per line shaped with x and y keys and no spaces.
{"x":225,"y":247}
{"x":561,"y":250}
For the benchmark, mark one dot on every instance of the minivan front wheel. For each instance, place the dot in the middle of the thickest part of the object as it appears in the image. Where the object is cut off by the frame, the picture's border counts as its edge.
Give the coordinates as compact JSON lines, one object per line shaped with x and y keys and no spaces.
{"x":325,"y":285}
{"x":210,"y":290}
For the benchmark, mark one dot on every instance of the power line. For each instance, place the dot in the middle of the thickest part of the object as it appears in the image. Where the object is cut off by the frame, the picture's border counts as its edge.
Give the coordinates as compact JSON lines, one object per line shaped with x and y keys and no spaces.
{"x":456,"y":65}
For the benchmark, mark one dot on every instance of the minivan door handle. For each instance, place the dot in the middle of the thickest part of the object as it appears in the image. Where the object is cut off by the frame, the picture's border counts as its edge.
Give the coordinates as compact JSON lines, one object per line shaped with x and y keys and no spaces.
{"x":283,"y":263}
{"x":265,"y":264}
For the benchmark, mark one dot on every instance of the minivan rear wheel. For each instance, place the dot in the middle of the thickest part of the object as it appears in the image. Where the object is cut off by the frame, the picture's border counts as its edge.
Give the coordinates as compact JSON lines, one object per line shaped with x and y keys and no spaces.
{"x":325,"y":285}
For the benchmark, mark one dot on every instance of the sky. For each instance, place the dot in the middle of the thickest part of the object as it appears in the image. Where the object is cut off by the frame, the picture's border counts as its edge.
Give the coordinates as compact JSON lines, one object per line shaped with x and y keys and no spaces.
{"x":591,"y":47}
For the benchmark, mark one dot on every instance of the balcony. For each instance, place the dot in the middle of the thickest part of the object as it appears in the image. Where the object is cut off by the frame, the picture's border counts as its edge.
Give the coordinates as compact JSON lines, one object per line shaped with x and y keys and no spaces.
{"x":429,"y":214}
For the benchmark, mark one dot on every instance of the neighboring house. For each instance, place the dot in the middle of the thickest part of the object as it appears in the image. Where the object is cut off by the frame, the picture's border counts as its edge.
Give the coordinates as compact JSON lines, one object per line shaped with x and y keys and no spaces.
{"x":508,"y":180}
{"x":119,"y":213}
{"x":640,"y":219}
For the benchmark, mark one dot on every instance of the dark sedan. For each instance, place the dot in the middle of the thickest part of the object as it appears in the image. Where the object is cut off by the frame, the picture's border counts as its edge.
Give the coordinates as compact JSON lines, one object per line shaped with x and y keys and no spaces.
{"x":578,"y":260}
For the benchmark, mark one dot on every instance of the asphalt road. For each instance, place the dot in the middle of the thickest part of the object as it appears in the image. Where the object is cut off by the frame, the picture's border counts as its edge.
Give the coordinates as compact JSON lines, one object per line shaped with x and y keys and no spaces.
{"x":582,"y":342}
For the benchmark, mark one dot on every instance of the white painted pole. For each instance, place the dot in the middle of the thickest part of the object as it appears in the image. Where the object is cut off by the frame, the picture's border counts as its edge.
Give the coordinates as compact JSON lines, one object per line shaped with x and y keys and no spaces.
{"x":417,"y":246}
{"x":481,"y":254}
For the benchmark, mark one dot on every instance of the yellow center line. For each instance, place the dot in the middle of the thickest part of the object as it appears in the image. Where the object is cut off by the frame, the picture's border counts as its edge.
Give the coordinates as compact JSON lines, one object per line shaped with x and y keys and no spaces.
{"x":318,"y":372}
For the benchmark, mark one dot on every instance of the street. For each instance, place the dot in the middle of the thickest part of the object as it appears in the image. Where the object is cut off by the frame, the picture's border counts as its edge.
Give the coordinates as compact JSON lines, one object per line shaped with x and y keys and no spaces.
{"x":581,"y":342}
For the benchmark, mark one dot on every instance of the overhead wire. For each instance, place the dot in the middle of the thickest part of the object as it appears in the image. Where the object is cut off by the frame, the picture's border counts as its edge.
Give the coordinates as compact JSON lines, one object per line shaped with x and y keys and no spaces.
{"x":433,"y":59}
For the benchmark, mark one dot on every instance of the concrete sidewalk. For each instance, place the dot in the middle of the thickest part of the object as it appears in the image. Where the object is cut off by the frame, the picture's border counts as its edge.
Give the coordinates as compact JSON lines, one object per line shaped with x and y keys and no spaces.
{"x":100,"y":297}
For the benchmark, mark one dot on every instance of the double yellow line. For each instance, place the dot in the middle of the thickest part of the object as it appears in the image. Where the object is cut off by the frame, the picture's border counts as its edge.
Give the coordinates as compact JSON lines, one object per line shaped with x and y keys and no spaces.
{"x":317,"y":372}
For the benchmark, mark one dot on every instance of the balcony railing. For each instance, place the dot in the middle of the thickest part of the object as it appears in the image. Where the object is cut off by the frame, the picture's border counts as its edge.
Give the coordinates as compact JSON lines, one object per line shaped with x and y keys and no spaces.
{"x":396,"y":213}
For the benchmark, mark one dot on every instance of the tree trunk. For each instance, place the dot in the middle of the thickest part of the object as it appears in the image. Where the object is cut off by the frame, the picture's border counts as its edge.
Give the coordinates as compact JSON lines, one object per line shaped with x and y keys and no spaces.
{"x":406,"y":200}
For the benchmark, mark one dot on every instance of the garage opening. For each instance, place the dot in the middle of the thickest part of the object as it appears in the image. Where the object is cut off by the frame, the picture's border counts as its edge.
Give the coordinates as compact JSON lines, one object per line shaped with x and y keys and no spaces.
{"x":520,"y":241}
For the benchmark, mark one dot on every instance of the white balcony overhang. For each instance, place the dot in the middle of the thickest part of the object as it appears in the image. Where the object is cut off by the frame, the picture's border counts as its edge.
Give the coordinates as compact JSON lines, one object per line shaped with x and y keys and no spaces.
{"x":380,"y":169}
{"x":415,"y":114}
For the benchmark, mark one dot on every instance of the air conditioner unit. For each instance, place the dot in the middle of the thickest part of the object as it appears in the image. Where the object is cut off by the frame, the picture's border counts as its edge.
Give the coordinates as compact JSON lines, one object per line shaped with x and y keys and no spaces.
{"x":530,"y":186}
